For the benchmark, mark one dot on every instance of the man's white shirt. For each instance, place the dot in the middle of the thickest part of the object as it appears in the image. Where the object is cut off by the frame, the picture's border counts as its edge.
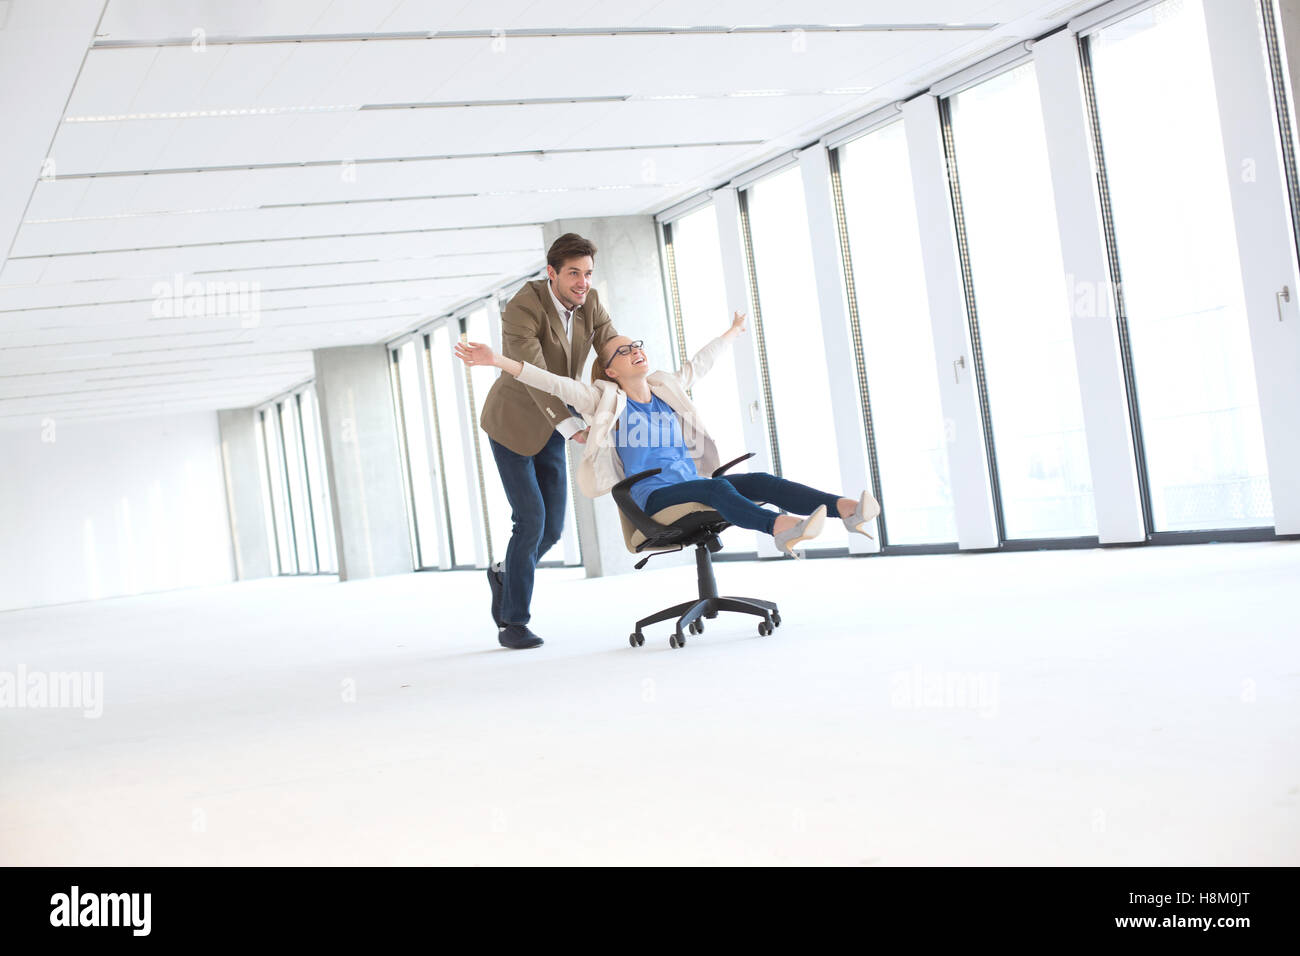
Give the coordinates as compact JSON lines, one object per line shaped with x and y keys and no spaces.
{"x":571,"y":425}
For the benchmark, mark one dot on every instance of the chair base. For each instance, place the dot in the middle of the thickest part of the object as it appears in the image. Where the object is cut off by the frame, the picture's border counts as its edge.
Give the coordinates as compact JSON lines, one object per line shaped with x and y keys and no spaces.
{"x":689,"y":617}
{"x":690,"y":613}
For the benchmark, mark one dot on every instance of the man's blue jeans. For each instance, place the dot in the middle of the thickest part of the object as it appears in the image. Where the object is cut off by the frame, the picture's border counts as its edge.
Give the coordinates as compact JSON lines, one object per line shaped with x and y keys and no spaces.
{"x":733,"y":497}
{"x":536,"y":488}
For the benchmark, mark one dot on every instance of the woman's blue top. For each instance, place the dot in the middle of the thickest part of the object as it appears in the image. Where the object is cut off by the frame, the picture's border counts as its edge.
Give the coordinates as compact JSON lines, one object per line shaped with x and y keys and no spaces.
{"x":649,"y":435}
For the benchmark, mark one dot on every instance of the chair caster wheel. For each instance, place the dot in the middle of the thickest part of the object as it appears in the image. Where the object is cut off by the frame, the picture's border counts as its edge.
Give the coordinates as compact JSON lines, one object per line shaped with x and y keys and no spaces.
{"x":676,"y":641}
{"x":696,"y":627}
{"x":764,"y":629}
{"x":636,"y":639}
{"x":776,"y":618}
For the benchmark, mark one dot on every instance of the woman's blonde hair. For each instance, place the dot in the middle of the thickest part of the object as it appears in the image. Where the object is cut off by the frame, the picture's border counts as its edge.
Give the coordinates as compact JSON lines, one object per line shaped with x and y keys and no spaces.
{"x":603,"y":358}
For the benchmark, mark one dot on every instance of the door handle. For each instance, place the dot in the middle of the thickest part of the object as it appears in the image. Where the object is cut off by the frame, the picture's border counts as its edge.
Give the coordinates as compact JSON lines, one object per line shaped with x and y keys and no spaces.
{"x":960,"y":361}
{"x":1282,"y":295}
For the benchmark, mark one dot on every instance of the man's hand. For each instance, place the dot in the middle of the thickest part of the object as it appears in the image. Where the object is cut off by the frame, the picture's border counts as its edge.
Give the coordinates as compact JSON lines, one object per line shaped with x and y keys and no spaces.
{"x":737,"y":324}
{"x":581,"y":437}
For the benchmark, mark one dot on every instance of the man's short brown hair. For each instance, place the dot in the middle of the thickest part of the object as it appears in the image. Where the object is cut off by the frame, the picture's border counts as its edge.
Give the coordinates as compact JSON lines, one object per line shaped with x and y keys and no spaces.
{"x":569,"y":246}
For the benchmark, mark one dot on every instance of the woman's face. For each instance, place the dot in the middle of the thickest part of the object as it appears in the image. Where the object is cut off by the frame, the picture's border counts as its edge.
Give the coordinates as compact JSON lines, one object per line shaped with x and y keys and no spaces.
{"x":629,"y":364}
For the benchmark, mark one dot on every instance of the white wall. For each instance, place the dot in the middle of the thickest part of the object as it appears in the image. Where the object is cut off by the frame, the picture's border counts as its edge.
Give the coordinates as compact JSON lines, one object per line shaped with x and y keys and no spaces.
{"x":106,"y":508}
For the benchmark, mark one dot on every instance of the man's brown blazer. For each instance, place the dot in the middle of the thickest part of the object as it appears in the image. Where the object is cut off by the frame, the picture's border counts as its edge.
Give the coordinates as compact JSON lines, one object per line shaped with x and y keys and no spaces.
{"x":522,"y":418}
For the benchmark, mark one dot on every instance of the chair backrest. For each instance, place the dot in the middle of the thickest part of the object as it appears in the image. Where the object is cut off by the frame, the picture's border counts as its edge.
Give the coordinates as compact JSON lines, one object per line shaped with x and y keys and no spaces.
{"x":634,"y":538}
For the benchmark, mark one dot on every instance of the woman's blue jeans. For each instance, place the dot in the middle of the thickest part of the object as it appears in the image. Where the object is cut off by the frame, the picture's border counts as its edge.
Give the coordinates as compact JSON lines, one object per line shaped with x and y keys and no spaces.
{"x":733,"y":497}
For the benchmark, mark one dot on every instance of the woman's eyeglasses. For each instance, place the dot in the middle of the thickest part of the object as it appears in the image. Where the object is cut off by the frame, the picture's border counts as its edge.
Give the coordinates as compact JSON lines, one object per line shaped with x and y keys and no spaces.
{"x":624,"y":350}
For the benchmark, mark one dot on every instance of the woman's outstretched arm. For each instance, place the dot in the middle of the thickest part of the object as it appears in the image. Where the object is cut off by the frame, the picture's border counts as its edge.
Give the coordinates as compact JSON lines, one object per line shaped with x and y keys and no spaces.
{"x":581,"y":396}
{"x":703,"y":360}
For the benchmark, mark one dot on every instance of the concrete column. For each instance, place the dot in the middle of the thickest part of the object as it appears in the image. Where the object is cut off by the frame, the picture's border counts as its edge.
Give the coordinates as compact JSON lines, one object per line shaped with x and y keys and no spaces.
{"x":628,"y":279}
{"x":241,"y":462}
{"x":359,"y":426}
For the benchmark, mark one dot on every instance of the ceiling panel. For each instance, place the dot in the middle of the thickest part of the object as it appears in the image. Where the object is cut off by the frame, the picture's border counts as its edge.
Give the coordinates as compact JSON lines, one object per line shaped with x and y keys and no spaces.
{"x":330,"y":75}
{"x":159,"y":19}
{"x":142,"y":337}
{"x":466,"y":212}
{"x":331,"y":182}
{"x":464,"y":245}
{"x":45,"y":296}
{"x":347,"y":234}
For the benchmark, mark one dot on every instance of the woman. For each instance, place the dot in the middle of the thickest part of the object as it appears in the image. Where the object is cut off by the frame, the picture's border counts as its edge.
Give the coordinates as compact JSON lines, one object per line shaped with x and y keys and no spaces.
{"x":642,"y":420}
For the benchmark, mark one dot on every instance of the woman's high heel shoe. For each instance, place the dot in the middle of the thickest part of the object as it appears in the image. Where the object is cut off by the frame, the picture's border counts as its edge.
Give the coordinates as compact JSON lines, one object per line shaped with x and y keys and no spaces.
{"x":868,"y":508}
{"x":809,"y":527}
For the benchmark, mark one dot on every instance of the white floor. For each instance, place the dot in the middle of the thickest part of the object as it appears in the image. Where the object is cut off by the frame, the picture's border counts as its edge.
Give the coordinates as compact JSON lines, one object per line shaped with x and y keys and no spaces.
{"x":1127,"y":706}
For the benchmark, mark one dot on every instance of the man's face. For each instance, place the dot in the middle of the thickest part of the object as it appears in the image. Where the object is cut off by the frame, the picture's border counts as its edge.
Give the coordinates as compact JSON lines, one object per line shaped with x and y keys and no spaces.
{"x":572,"y":282}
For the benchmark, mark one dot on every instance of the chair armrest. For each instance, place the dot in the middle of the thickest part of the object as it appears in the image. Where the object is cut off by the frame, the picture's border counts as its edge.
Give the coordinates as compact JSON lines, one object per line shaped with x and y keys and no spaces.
{"x":735,"y":461}
{"x":622,"y":493}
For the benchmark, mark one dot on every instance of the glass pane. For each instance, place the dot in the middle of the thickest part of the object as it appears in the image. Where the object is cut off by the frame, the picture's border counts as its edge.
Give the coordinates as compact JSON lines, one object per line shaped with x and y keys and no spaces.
{"x":897,"y":341}
{"x":453,"y":461}
{"x":297,"y":483}
{"x":1195,"y":377}
{"x":561,"y":552}
{"x":319,"y":483}
{"x":796,"y":356}
{"x":279,"y":501}
{"x":423,"y":497}
{"x":481,"y":379}
{"x":1022,"y":308}
{"x":268,"y":508}
{"x":705,"y":316}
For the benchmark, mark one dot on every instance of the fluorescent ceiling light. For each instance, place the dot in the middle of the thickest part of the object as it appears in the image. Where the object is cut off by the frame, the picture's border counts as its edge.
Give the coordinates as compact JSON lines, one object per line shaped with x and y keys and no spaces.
{"x":133,"y":215}
{"x":331,"y":202}
{"x":206,"y":114}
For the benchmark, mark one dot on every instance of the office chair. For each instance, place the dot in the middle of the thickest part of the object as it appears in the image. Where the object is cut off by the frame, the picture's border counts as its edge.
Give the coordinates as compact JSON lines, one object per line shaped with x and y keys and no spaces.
{"x":675,"y":528}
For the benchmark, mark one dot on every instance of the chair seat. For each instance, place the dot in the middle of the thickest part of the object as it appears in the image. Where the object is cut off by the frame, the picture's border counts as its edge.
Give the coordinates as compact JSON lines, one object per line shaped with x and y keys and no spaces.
{"x":635,"y":539}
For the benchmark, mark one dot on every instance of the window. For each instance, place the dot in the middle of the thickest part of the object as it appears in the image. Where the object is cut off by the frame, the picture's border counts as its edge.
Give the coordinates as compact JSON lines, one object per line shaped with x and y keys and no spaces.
{"x":294,"y":486}
{"x":452,"y":475}
{"x":499,"y":524}
{"x":696,"y":262}
{"x":425,"y":498}
{"x":499,"y":520}
{"x":1020,"y":308}
{"x":318,"y":483}
{"x":278,"y":493}
{"x":295,"y":470}
{"x":1157,"y":126}
{"x":443,"y":364}
{"x":800,"y":403}
{"x":896,"y":339}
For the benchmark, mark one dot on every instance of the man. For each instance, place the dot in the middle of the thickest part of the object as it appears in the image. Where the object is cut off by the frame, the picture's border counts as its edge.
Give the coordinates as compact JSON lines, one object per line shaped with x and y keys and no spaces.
{"x":552,"y":323}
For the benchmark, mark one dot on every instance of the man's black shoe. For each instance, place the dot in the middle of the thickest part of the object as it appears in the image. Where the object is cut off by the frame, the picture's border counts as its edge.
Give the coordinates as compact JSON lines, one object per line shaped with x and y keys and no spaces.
{"x":496,"y":581}
{"x":517,"y":637}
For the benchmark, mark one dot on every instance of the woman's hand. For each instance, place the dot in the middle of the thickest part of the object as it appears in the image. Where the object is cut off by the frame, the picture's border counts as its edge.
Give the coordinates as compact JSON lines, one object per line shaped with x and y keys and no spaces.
{"x":737,"y":323}
{"x":475,"y":353}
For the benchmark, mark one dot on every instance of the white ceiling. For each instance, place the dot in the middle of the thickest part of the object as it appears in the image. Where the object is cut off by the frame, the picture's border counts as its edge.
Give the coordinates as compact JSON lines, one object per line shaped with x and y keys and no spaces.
{"x":365,"y":185}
